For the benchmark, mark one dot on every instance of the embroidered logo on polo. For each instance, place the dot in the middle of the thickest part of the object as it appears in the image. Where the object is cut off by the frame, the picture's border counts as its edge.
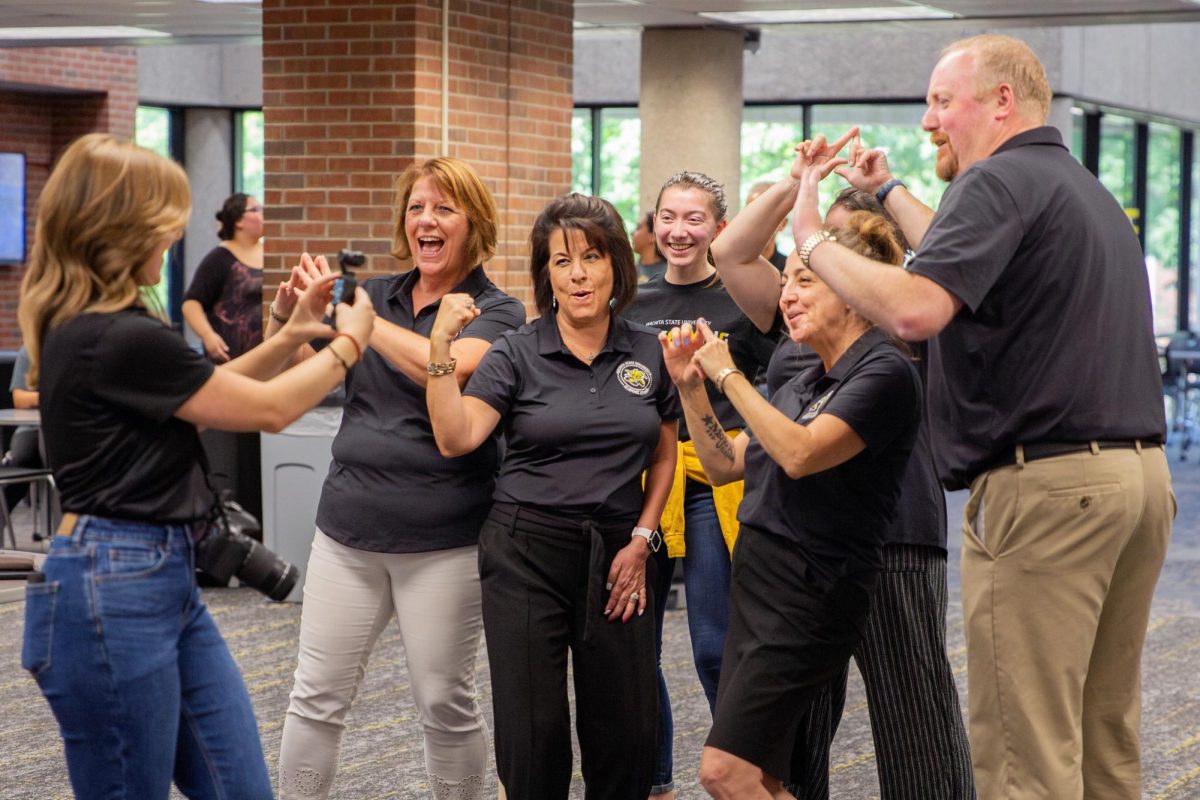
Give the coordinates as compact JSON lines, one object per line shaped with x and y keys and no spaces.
{"x":635,"y":377}
{"x":816,"y":406}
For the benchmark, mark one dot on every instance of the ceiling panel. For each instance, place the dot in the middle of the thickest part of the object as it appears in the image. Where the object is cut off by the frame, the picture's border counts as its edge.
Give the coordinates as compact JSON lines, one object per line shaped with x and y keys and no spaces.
{"x":191,"y":21}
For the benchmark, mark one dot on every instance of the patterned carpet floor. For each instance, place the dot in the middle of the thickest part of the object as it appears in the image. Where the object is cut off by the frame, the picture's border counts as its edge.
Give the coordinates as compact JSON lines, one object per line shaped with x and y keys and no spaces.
{"x":381,"y":753}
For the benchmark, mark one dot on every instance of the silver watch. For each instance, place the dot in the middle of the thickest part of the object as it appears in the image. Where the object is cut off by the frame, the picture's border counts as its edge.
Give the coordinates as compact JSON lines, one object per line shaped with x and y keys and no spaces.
{"x":653,"y":538}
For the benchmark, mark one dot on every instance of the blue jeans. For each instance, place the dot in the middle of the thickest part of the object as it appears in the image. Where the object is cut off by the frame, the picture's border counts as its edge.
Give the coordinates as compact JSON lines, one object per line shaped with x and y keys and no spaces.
{"x":706,"y":583}
{"x":664,"y":763}
{"x":140,"y":681}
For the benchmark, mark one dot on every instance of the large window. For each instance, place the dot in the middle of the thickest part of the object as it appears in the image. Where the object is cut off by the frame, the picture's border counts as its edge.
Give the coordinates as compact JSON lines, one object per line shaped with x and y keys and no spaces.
{"x":153,"y":129}
{"x":248,"y":158}
{"x":1162,"y":224}
{"x":606,"y":145}
{"x":1118,"y":162}
{"x":1194,"y":243}
{"x":894,"y":128}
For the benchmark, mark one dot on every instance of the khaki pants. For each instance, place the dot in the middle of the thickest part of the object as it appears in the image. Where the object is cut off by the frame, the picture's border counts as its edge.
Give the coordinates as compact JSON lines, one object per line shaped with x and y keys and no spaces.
{"x":1060,"y":559}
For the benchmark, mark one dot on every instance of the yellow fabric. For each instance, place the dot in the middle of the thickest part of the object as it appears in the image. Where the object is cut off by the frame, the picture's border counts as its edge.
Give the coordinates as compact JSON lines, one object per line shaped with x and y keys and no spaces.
{"x":726,"y":498}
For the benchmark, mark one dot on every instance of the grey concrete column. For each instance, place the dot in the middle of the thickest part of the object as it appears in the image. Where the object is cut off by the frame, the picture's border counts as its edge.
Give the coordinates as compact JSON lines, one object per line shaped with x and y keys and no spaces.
{"x":208,"y":155}
{"x":691,"y":107}
{"x":1060,"y":117}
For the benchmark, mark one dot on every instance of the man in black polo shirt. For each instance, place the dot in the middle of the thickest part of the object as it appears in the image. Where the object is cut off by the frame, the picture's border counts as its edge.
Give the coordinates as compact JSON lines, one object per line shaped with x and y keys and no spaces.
{"x":1045,"y":392}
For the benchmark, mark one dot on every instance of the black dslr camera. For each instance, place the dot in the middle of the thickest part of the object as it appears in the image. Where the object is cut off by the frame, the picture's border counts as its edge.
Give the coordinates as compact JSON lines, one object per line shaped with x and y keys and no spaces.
{"x":226,"y":551}
{"x":344,"y":286}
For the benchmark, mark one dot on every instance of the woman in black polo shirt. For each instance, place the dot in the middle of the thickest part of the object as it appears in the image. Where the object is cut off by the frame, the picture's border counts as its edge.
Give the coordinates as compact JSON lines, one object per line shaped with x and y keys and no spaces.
{"x":398,"y":523}
{"x":822,"y":473}
{"x":921,"y":747}
{"x":586,"y":407}
{"x":140,"y":681}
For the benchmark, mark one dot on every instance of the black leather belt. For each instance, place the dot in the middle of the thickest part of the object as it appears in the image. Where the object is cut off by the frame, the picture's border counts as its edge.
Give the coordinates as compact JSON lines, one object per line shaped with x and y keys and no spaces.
{"x":1035,"y":451}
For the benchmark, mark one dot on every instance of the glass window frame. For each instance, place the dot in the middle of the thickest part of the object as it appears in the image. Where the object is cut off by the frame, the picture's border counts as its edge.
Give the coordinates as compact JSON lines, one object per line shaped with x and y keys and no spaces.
{"x":173,"y":268}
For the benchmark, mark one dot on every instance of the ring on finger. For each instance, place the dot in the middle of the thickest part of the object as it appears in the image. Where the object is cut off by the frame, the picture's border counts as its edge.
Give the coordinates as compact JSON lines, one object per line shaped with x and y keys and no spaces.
{"x":633,"y":597}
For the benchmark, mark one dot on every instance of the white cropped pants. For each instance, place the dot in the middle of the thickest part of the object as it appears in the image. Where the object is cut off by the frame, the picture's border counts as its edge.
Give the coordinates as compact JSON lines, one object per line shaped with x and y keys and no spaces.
{"x":350,"y":596}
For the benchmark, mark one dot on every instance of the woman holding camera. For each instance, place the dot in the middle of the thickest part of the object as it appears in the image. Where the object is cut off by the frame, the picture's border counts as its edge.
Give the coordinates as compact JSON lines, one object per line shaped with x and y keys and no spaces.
{"x":140,"y":681}
{"x":398,"y":523}
{"x":586,"y":407}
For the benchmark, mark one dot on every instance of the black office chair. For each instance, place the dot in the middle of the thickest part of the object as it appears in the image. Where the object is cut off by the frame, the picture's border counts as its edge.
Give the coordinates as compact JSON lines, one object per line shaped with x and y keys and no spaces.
{"x":1181,"y":386}
{"x":41,"y":499}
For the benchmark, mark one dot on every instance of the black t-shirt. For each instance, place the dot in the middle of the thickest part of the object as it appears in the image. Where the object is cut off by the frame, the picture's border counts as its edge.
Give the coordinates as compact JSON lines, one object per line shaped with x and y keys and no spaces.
{"x":921,"y":510}
{"x":1055,"y":341}
{"x":577,"y":437}
{"x":839,"y":516}
{"x":231,"y":294}
{"x":662,"y":306}
{"x":110,"y":385}
{"x":389,"y":490}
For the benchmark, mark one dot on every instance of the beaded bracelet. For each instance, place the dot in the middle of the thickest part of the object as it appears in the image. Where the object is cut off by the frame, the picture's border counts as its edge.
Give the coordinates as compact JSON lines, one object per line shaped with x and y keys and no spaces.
{"x":275,"y":314}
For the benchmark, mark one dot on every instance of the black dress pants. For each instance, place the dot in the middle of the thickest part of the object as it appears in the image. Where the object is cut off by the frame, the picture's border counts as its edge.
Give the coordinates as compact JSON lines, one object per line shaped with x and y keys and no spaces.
{"x":543,"y":580}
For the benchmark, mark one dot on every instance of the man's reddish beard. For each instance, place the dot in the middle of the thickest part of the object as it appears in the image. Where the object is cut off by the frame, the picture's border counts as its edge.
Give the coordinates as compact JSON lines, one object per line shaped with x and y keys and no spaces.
{"x":947,"y":162}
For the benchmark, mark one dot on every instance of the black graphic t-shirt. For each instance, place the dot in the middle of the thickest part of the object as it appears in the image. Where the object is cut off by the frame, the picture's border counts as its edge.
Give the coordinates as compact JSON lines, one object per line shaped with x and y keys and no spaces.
{"x":578,"y":436}
{"x":231,"y":295}
{"x":662,"y":305}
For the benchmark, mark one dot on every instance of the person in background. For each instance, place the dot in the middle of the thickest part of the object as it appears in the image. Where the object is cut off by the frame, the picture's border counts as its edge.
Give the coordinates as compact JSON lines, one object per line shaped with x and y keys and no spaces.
{"x":770,"y":252}
{"x":223,"y":304}
{"x":123,"y":648}
{"x":24,"y":450}
{"x":586,"y":408}
{"x":650,"y":261}
{"x":398,"y":524}
{"x":699,"y":521}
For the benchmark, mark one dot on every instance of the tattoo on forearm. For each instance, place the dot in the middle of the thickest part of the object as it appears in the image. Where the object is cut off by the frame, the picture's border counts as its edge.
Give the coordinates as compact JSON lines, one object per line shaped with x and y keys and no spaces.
{"x":718,"y":437}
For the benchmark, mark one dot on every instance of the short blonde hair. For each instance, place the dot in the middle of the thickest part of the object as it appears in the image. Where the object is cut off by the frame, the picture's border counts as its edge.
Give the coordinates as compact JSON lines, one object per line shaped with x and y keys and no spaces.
{"x":457,"y":179}
{"x":1003,"y":59}
{"x":102,"y":215}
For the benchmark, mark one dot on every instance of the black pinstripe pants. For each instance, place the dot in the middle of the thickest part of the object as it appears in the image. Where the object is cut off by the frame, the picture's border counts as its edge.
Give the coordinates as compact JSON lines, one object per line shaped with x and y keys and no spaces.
{"x":921,"y":748}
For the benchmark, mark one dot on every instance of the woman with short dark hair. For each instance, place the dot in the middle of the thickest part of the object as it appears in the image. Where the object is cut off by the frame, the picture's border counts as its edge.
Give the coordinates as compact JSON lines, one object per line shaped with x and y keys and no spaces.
{"x":586,"y":407}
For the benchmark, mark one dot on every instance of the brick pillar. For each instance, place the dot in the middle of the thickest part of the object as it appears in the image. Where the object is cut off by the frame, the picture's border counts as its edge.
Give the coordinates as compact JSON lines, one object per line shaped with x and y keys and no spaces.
{"x":353,"y":93}
{"x":50,"y":97}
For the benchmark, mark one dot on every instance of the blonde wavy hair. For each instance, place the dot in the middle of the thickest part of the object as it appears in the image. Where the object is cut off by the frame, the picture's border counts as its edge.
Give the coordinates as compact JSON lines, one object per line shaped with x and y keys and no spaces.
{"x":103,"y":215}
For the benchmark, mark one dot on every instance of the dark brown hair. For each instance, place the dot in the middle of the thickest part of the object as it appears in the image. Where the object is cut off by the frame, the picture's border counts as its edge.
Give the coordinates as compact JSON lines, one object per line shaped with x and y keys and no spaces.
{"x":853,"y":200}
{"x":232,"y":210}
{"x":601,"y":225}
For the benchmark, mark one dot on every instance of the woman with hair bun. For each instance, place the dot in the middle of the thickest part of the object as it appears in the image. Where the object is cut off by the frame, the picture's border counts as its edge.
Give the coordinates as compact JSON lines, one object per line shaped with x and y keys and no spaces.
{"x":921,"y":747}
{"x":223,"y":304}
{"x":822,"y":470}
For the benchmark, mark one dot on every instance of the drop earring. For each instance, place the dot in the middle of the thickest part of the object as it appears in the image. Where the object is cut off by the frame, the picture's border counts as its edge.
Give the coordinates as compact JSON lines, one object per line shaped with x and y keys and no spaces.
{"x":612,"y":303}
{"x":554,"y":304}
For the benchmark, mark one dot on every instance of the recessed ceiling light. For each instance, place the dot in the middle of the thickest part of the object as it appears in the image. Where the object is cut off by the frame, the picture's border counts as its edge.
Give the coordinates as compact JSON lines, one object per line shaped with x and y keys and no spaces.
{"x":784,"y":16}
{"x":80,"y":32}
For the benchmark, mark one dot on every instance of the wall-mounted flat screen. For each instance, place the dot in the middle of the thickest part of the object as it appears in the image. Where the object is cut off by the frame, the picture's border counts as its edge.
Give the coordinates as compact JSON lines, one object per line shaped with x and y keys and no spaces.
{"x":12,"y":208}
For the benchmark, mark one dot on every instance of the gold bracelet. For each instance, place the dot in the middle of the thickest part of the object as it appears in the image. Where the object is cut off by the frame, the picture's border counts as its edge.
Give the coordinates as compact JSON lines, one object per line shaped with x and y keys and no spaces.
{"x":436,"y":368}
{"x":722,"y":376}
{"x":815,"y":238}
{"x":345,"y":364}
{"x":275,"y":316}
